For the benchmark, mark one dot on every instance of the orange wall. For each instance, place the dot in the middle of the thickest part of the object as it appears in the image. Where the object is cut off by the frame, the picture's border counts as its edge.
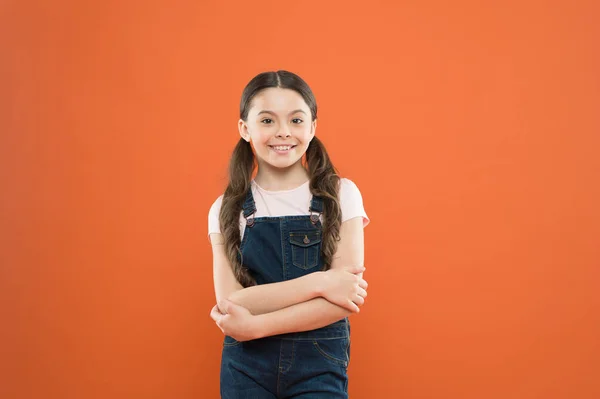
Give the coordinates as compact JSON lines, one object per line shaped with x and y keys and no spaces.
{"x":472,"y":131}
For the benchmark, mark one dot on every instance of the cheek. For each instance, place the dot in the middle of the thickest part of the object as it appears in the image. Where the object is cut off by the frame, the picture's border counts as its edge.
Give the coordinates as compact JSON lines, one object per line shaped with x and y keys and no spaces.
{"x":262,"y":138}
{"x":306,"y":138}
{"x":257,"y":141}
{"x":262,"y":146}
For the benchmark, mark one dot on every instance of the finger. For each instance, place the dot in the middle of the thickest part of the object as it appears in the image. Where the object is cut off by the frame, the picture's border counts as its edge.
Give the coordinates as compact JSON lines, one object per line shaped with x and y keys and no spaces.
{"x":213,"y":309}
{"x":363,"y":284}
{"x":222,"y":323}
{"x":224,"y":306}
{"x":362,"y":293}
{"x":359,"y":300}
{"x":215,"y":314}
{"x":356,"y":269}
{"x":232,"y":307}
{"x":353,"y":307}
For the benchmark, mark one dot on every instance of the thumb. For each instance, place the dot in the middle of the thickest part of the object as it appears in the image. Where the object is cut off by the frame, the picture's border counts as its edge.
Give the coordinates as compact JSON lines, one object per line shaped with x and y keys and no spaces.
{"x":229,"y":307}
{"x":357,"y":269}
{"x":224,"y":306}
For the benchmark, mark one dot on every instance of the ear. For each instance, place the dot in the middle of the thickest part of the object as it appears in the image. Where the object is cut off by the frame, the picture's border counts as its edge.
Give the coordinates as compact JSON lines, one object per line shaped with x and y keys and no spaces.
{"x":243,"y":128}
{"x":313,"y":129}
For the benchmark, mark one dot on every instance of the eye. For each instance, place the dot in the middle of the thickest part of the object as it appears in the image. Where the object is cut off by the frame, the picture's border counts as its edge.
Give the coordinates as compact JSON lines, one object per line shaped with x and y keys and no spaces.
{"x":297,"y":119}
{"x":266,"y":119}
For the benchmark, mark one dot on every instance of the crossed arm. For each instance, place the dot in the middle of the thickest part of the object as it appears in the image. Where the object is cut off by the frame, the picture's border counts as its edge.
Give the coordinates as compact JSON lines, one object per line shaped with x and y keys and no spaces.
{"x":293,"y":305}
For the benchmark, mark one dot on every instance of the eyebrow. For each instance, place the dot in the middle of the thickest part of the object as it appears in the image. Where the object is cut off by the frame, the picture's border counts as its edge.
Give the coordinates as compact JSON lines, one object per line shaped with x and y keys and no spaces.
{"x":271,"y":112}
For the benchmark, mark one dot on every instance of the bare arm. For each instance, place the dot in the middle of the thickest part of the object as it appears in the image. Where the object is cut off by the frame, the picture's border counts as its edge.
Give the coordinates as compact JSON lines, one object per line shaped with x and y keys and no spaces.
{"x":318,"y":312}
{"x":263,"y":298}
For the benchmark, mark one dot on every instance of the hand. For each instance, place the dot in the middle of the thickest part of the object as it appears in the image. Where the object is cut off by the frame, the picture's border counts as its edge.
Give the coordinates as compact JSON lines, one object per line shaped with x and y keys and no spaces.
{"x":344,"y":288}
{"x":234,"y":320}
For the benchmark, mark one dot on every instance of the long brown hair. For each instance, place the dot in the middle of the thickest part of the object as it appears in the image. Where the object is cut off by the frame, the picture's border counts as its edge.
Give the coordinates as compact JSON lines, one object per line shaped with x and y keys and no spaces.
{"x":324,"y":180}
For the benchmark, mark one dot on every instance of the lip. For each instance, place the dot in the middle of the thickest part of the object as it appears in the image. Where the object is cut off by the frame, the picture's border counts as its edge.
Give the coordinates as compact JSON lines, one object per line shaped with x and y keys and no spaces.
{"x":282,"y":145}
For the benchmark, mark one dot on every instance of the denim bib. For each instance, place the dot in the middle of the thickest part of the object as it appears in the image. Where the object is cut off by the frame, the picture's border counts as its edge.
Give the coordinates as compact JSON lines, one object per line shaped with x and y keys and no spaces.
{"x":276,"y":249}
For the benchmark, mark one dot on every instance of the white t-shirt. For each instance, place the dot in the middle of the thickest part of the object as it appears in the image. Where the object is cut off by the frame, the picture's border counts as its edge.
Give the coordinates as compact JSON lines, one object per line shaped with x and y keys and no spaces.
{"x":294,"y":202}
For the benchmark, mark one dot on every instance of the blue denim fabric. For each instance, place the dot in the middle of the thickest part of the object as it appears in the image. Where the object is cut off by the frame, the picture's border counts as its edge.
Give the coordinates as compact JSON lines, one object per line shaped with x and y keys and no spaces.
{"x":303,"y":365}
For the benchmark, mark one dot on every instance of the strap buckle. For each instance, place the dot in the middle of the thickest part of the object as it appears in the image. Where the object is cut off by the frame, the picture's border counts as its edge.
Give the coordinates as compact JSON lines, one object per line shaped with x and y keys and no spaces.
{"x":314,"y":217}
{"x":250,"y":219}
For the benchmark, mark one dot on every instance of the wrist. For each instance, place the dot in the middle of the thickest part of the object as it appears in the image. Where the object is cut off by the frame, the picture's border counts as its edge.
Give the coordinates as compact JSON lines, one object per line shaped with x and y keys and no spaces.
{"x":259,"y":329}
{"x":319,"y":283}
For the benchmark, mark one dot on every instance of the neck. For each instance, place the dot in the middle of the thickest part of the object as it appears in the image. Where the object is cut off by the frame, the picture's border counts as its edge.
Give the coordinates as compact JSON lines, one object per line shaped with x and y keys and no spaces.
{"x":279,"y":179}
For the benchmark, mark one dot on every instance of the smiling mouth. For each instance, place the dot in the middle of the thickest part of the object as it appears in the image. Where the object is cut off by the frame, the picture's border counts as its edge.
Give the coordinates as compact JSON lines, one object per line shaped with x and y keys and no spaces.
{"x":282,"y":148}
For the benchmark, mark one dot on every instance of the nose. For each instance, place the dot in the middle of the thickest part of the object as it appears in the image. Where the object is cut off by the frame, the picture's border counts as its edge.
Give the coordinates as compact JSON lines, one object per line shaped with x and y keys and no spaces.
{"x":284,"y":132}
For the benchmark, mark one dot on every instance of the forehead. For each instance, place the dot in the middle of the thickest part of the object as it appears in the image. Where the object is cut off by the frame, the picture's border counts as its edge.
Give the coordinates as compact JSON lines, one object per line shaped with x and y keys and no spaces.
{"x":278,"y":100}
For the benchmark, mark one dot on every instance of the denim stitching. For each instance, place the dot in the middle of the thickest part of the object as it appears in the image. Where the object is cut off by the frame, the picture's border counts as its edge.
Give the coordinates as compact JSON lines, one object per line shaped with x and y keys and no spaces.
{"x":293,"y":355}
{"x":283,"y":254}
{"x":236,"y":343}
{"x":279,"y":367}
{"x":335,"y":359}
{"x":296,"y":250}
{"x":312,"y":338}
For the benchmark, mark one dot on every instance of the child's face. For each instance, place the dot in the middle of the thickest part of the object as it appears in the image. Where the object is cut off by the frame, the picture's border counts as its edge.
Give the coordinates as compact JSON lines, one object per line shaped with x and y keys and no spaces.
{"x":278,"y":117}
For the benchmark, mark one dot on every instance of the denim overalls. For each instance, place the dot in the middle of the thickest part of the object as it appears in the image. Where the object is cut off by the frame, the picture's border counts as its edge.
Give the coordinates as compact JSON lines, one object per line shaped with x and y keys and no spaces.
{"x":309,"y":364}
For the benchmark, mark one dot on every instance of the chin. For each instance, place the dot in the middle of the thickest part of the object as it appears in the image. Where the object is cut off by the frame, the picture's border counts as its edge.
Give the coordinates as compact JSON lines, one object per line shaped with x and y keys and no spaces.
{"x":282,"y":165}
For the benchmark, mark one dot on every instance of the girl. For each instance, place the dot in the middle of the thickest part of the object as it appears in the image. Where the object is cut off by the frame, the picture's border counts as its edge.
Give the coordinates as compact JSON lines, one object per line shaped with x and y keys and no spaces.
{"x":288,"y":252}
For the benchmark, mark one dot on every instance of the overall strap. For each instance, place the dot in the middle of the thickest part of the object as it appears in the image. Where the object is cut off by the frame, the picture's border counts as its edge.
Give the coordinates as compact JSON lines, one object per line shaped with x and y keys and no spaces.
{"x":249,"y":207}
{"x":316,"y":206}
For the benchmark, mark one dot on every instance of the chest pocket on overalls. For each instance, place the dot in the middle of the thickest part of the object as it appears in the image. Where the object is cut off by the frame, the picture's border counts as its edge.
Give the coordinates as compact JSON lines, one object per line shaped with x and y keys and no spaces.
{"x":306,"y":248}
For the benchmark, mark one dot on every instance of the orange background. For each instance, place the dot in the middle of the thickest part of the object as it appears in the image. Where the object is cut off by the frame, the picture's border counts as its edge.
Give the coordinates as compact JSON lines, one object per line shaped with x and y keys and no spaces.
{"x":471,"y":130}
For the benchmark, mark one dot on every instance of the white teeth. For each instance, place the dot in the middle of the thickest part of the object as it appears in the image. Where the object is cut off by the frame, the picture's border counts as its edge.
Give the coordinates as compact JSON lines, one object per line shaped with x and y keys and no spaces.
{"x":281,"y":148}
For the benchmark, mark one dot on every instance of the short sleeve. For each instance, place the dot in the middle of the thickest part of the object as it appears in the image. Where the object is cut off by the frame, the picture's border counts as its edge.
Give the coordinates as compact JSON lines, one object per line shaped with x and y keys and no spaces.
{"x":351,"y":202}
{"x":213,"y":216}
